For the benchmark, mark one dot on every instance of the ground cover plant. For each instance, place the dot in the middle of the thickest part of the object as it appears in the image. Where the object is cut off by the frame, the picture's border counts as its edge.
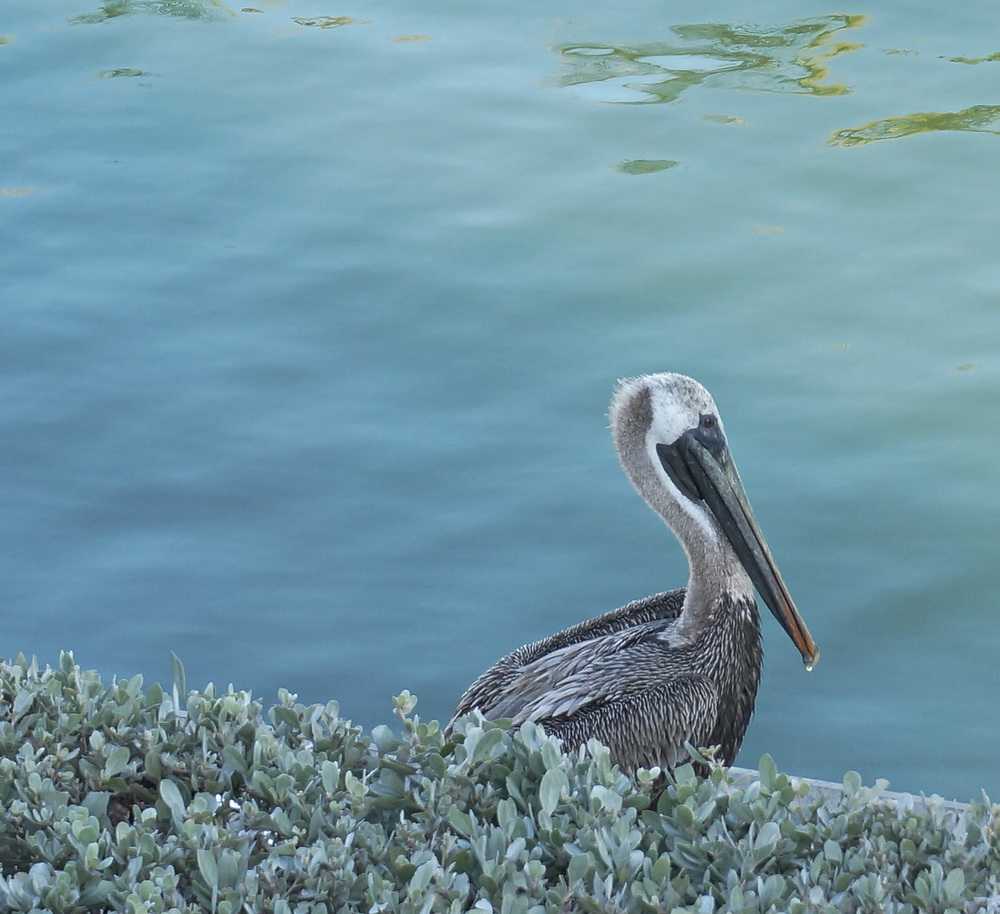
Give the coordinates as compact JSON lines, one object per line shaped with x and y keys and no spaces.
{"x":120,"y":798}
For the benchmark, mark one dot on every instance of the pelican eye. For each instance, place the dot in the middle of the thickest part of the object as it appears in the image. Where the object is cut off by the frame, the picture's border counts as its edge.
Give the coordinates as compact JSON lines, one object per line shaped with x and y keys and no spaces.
{"x":709,"y":433}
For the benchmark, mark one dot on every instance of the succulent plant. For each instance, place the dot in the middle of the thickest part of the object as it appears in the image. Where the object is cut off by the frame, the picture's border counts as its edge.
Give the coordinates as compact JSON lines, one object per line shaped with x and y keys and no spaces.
{"x":116,"y":798}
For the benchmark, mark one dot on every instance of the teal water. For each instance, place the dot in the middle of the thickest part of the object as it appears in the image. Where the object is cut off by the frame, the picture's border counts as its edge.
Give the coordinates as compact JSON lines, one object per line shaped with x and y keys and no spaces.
{"x":310,"y":316}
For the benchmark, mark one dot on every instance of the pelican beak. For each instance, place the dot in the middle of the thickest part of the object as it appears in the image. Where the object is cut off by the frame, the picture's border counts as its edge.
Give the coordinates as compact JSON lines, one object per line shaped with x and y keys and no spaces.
{"x":706,"y":472}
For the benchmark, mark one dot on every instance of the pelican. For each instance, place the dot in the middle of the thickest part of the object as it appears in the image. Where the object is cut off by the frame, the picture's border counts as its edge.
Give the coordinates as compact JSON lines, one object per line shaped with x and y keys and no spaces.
{"x":675,"y":669}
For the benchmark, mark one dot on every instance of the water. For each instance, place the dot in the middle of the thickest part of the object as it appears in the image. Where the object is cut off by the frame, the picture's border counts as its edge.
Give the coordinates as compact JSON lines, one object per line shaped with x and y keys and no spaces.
{"x":310,"y":318}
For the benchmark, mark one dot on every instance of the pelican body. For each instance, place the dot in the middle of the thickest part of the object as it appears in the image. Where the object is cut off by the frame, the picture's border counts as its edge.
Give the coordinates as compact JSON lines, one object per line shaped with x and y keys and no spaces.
{"x":676,"y":668}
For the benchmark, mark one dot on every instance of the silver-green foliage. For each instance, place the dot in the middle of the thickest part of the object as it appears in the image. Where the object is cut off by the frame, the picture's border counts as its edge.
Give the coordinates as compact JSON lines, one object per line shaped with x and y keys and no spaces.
{"x":116,"y":798}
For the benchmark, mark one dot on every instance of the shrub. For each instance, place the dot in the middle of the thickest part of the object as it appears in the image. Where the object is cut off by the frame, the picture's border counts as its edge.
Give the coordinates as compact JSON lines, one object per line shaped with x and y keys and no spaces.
{"x":119,"y":799}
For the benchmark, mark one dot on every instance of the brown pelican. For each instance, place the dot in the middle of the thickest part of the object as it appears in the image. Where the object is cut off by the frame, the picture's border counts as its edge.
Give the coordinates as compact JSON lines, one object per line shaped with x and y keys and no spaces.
{"x":677,"y":667}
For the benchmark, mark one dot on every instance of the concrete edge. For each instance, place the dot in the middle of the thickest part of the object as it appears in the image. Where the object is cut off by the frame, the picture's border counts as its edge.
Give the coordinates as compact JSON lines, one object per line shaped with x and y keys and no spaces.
{"x":831,"y":792}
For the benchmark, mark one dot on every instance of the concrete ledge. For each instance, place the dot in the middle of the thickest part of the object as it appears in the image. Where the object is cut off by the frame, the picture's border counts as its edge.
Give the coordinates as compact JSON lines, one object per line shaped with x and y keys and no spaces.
{"x":831,"y":793}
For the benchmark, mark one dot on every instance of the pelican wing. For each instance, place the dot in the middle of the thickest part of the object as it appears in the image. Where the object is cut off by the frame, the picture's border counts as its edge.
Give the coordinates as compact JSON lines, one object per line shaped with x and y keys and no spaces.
{"x":631,"y":691}
{"x":492,"y":685}
{"x":563,"y":681}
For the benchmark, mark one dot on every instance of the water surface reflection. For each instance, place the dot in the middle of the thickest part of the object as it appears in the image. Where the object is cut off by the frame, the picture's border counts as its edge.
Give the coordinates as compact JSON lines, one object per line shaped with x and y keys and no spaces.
{"x":187,"y":9}
{"x":792,"y":58}
{"x":976,"y":119}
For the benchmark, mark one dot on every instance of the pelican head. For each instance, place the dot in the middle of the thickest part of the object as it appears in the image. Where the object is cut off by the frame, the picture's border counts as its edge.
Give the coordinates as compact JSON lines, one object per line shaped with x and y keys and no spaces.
{"x":672,"y":445}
